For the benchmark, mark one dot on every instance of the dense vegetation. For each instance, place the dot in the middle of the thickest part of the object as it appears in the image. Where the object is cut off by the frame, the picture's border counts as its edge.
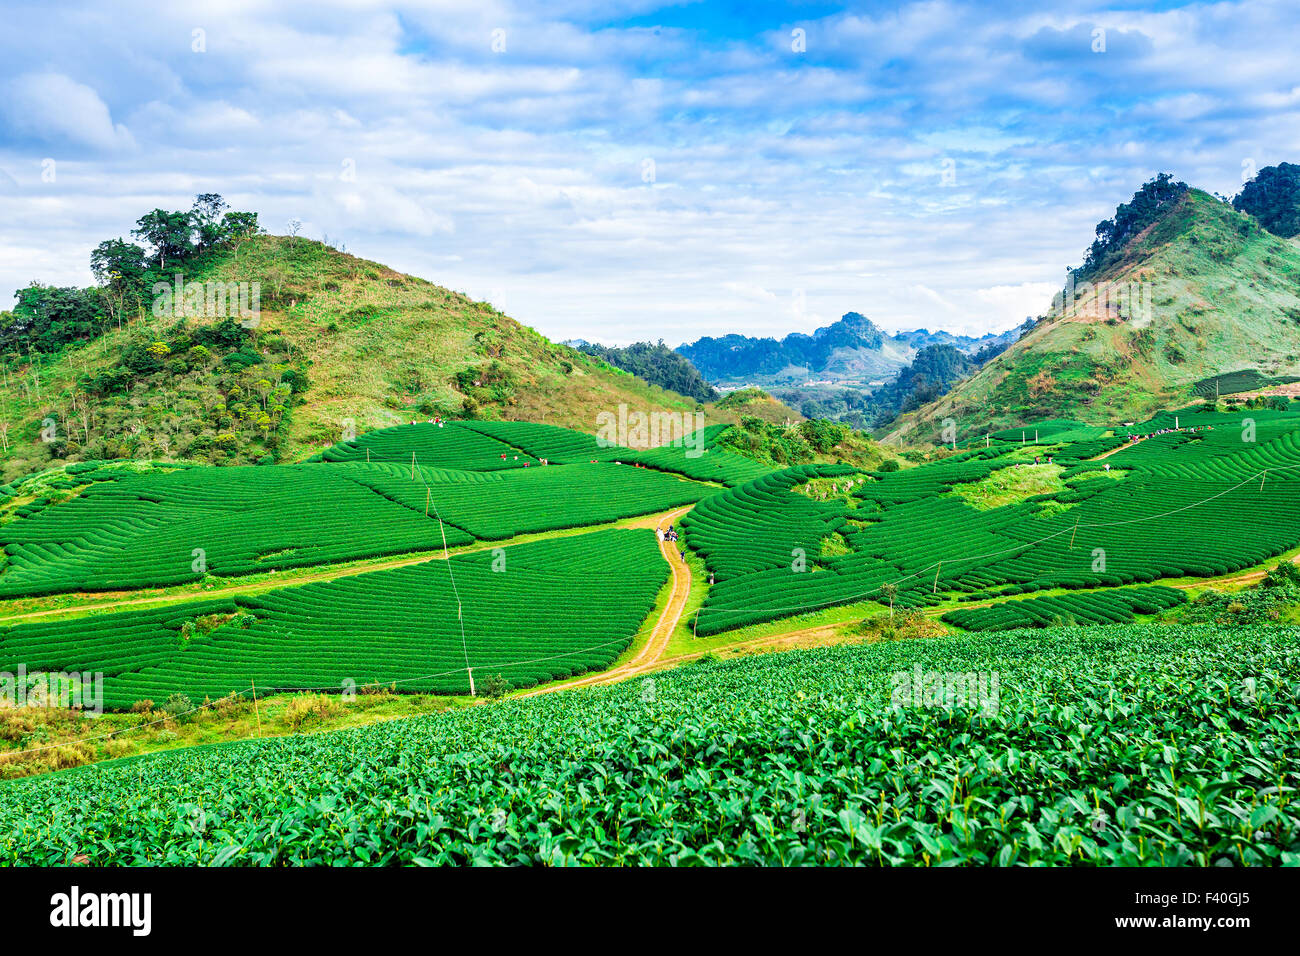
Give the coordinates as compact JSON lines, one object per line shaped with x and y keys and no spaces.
{"x":1273,"y":197}
{"x":658,"y":365}
{"x":46,"y":319}
{"x":1130,"y":218}
{"x":128,"y":369}
{"x":1117,"y":746}
{"x":1200,"y":290}
{"x":934,"y":370}
{"x":1246,"y":380}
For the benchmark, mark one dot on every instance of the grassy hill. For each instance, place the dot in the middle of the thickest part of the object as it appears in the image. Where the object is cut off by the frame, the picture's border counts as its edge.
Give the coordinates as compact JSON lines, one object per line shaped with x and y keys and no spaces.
{"x":342,"y":343}
{"x":1224,"y":296}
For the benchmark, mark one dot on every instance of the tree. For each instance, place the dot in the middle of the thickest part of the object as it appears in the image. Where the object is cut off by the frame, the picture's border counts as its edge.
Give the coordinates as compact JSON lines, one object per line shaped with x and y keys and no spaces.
{"x":205,"y":215}
{"x":1130,"y":219}
{"x":119,"y":264}
{"x":1273,"y":197}
{"x":168,"y":232}
{"x":890,"y":590}
{"x":239,"y":226}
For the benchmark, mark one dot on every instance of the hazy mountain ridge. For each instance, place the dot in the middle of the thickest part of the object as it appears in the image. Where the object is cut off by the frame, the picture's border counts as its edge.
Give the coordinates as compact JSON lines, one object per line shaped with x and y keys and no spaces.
{"x":852,"y":349}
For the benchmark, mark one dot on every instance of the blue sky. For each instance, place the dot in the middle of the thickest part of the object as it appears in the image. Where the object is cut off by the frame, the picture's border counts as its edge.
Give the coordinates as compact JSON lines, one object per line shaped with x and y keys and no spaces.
{"x":625,"y":170}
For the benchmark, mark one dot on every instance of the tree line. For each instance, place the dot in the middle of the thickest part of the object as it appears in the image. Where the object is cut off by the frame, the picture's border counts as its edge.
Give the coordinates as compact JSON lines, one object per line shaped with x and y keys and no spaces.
{"x":46,"y":319}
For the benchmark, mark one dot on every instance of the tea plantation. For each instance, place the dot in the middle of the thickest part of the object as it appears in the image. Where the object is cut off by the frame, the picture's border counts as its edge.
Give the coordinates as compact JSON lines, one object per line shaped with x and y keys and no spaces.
{"x":532,"y":612}
{"x":1131,"y":745}
{"x":1200,"y":494}
{"x":173,"y":525}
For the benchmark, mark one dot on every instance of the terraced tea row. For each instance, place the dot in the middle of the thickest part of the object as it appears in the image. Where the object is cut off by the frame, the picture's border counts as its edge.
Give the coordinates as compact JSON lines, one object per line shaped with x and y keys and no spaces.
{"x":1094,"y":746}
{"x":530,"y":613}
{"x":1202,"y":503}
{"x":693,"y":454}
{"x":177,"y":526}
{"x":1118,"y":606}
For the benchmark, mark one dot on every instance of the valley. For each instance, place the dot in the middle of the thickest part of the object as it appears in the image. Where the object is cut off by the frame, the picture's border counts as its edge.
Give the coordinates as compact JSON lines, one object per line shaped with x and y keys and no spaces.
{"x":393,"y":548}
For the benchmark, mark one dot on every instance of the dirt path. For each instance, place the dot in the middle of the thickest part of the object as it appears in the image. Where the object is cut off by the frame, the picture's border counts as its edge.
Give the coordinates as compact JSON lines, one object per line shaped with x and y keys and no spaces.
{"x":1115,"y":451}
{"x":651,"y":654}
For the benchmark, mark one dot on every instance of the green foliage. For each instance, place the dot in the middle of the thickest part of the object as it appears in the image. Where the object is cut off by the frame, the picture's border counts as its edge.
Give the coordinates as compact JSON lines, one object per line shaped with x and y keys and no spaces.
{"x":1276,"y":599}
{"x":933,"y":372}
{"x":48,"y":319}
{"x":658,"y":365}
{"x":135,"y":530}
{"x":1273,"y":197}
{"x":1213,"y":498}
{"x":1127,"y":746}
{"x":178,"y":707}
{"x":1246,"y":380}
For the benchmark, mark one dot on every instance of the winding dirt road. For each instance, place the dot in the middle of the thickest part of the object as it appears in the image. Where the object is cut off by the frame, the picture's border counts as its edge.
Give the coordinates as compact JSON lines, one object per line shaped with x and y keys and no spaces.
{"x":651,"y":654}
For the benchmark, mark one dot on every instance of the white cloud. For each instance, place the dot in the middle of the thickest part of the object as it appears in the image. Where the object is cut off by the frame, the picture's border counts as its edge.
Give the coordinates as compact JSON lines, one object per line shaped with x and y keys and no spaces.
{"x":521,"y":174}
{"x":53,"y":109}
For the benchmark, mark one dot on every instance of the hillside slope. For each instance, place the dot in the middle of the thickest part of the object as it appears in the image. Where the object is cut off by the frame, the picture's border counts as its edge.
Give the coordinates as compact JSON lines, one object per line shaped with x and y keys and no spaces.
{"x":343,"y":343}
{"x":1223,"y":295}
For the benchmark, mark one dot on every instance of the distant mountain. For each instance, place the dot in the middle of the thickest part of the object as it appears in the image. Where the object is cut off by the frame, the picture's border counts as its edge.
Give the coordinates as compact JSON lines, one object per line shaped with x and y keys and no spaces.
{"x":852,"y":350}
{"x":920,"y":338}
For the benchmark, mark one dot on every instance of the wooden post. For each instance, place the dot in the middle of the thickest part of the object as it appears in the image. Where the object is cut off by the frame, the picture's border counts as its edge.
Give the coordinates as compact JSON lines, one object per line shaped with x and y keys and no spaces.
{"x":427,"y":493}
{"x":472,"y":692}
{"x":1262,"y":475}
{"x":1076,"y":531}
{"x":935,"y":589}
{"x":367,"y":454}
{"x":413,"y":466}
{"x":257,"y":710}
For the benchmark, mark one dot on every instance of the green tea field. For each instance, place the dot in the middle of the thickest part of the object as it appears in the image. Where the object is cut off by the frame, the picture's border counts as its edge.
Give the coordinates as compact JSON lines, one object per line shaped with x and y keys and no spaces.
{"x":1120,"y":746}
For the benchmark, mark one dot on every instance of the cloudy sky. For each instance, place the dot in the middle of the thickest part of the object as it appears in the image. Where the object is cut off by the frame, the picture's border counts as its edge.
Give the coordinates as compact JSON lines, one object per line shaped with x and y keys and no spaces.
{"x":626,"y":169}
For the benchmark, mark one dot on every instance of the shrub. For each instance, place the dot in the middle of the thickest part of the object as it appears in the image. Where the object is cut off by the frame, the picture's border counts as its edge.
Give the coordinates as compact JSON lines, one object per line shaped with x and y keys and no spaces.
{"x":494,"y":688}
